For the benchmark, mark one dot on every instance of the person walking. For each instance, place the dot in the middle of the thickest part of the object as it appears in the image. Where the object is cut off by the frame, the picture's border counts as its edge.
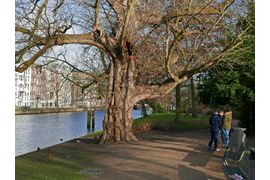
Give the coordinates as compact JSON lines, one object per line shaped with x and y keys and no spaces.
{"x":227,"y":125}
{"x":214,"y":122}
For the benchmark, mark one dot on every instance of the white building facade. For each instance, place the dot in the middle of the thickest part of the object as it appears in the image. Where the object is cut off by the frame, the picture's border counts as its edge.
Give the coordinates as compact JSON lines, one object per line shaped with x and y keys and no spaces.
{"x":23,"y":88}
{"x":39,"y":87}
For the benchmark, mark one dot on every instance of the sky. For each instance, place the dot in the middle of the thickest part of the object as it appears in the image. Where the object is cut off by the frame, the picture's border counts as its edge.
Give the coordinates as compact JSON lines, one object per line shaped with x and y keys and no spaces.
{"x":7,"y":48}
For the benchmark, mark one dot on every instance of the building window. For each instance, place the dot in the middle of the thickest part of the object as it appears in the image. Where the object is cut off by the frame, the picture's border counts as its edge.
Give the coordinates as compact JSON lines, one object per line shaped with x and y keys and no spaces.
{"x":51,"y":95}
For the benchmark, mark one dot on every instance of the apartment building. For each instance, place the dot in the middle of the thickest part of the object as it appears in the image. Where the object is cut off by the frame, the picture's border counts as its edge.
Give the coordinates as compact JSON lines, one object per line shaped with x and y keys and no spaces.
{"x":49,"y":89}
{"x":22,"y":88}
{"x":40,"y":87}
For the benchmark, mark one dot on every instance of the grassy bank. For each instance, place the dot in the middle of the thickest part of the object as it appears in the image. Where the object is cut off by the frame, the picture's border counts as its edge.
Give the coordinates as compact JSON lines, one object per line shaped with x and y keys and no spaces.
{"x":166,"y":121}
{"x":68,"y":162}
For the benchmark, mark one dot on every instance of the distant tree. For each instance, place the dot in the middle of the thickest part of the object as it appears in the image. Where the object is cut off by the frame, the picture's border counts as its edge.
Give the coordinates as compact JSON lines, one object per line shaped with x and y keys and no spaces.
{"x":178,"y":102}
{"x":143,"y":108}
{"x":194,"y":110}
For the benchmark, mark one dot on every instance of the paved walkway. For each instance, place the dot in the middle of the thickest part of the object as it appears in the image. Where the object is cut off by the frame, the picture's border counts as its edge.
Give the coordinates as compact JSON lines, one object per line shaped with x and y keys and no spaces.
{"x":159,"y":156}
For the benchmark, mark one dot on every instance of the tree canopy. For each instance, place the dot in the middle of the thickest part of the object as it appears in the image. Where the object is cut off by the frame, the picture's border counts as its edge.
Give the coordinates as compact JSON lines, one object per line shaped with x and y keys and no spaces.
{"x":233,"y":83}
{"x":145,"y":48}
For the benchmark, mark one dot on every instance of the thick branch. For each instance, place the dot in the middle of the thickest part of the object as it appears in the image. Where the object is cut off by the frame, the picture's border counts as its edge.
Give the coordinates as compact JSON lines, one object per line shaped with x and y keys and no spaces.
{"x":97,"y":4}
{"x":61,"y":40}
{"x":131,"y":5}
{"x":28,"y":63}
{"x":211,"y":61}
{"x":155,"y":91}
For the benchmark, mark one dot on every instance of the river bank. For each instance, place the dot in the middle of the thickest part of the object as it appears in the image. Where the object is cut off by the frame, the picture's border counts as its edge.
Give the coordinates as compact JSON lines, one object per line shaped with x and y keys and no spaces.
{"x":48,"y":129}
{"x":49,"y":110}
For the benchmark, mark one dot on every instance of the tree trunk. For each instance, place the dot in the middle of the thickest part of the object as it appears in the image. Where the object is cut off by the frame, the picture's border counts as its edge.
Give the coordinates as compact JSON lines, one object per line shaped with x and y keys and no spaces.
{"x":178,"y":101}
{"x":56,"y":101}
{"x":193,"y":98}
{"x":118,"y":118}
{"x":122,"y":95}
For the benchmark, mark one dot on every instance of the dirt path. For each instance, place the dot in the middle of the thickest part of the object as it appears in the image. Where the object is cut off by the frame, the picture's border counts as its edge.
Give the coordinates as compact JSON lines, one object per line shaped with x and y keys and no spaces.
{"x":159,"y":156}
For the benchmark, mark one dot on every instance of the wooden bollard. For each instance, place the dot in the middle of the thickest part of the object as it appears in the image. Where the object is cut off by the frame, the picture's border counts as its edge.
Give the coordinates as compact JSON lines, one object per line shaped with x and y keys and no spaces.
{"x":49,"y":154}
{"x":88,"y":118}
{"x":93,"y":120}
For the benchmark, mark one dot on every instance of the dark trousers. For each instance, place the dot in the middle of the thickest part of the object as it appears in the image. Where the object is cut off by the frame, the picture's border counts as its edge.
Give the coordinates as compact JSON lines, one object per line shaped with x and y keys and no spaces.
{"x":214,"y":138}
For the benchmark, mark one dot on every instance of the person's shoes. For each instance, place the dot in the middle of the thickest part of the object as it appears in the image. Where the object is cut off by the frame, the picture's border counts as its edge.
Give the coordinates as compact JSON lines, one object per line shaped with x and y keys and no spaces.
{"x":217,"y":149}
{"x":209,"y":148}
{"x":227,"y":148}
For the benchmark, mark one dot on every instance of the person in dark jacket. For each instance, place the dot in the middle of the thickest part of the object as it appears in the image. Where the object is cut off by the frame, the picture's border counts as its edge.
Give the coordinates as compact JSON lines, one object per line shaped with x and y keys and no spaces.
{"x":214,"y":122}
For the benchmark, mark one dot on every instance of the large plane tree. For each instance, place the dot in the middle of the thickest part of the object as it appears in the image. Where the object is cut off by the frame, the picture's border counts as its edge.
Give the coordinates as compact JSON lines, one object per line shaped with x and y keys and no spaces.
{"x":150,"y":45}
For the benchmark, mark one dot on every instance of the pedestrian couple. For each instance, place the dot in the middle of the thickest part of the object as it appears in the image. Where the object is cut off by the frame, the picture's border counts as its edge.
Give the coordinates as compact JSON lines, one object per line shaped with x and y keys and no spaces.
{"x":220,"y":127}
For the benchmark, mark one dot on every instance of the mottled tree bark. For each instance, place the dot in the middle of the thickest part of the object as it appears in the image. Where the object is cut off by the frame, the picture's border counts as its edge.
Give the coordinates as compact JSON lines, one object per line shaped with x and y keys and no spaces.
{"x":122,"y":95}
{"x":118,"y":117}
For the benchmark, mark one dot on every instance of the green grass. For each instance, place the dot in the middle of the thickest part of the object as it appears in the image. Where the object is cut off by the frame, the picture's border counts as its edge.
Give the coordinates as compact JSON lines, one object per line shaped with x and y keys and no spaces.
{"x":65,"y":164}
{"x":37,"y":166}
{"x":97,"y":133}
{"x":166,"y":121}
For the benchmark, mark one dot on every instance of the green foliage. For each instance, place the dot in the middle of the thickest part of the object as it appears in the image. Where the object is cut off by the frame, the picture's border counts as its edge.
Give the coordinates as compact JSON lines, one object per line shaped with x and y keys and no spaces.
{"x":157,"y":106}
{"x":233,"y":82}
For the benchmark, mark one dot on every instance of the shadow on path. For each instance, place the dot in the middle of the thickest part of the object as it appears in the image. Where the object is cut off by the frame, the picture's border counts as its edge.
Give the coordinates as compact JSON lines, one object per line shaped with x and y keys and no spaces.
{"x":182,"y":155}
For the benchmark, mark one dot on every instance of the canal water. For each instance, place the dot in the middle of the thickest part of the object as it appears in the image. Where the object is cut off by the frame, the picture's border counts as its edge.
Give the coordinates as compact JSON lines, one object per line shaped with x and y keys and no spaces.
{"x":45,"y":130}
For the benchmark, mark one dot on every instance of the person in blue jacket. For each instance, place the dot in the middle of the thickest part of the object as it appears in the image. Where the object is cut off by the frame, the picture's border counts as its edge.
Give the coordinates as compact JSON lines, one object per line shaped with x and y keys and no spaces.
{"x":214,"y":122}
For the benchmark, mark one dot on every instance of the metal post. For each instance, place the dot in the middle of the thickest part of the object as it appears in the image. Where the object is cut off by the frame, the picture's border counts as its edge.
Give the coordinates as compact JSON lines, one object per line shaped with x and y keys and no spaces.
{"x":88,"y":118}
